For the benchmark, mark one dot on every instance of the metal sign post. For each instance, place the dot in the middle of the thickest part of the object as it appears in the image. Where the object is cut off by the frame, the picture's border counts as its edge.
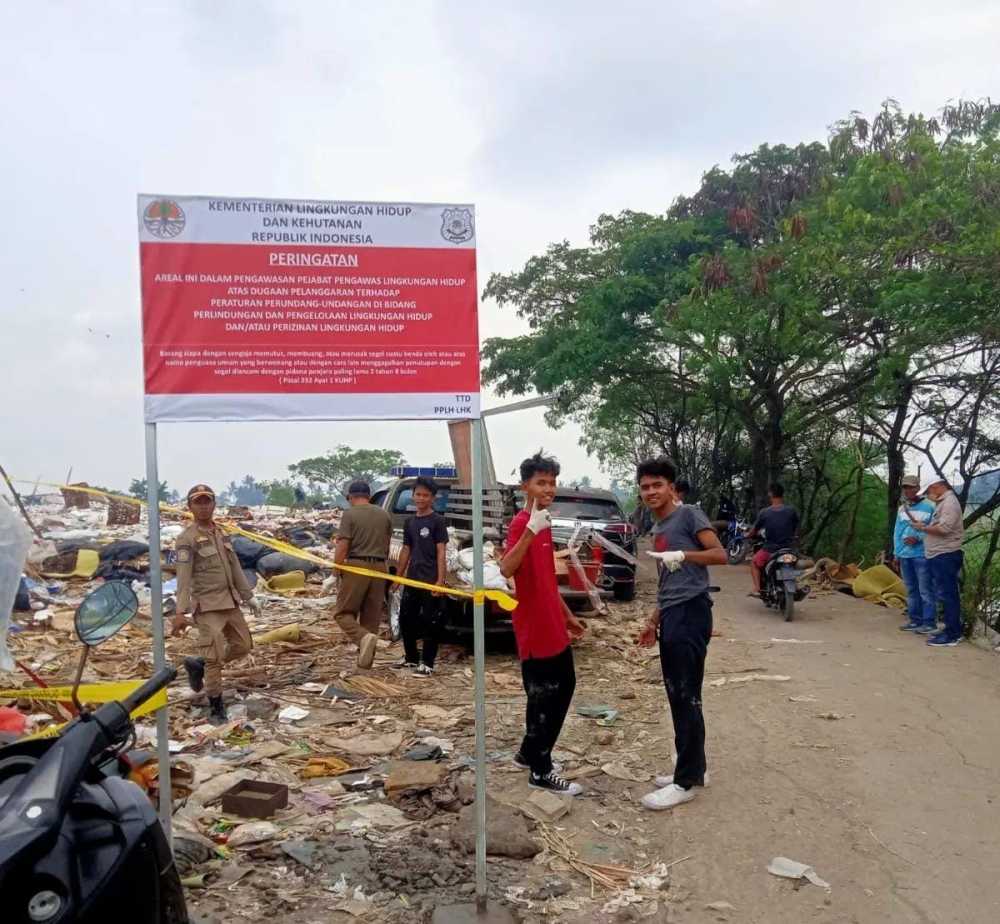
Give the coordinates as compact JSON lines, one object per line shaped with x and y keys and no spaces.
{"x":479,"y":645}
{"x":159,"y":645}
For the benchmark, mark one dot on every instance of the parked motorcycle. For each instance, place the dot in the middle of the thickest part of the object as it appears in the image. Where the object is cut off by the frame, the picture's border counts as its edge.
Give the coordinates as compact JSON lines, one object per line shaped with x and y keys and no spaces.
{"x":734,"y":540}
{"x":779,"y":583}
{"x":78,"y":843}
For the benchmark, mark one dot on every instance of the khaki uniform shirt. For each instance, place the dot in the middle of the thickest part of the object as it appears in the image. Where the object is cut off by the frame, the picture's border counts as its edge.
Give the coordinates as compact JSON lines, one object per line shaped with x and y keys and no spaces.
{"x":368,"y":529}
{"x":209,"y":576}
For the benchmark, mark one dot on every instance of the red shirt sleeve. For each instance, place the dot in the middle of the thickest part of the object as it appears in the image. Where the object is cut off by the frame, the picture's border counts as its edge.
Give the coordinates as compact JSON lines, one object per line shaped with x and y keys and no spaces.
{"x":516,"y":530}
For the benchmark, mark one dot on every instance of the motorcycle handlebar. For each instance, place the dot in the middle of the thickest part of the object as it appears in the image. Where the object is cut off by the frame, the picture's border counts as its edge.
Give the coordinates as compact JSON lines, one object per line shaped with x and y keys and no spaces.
{"x":149,"y":689}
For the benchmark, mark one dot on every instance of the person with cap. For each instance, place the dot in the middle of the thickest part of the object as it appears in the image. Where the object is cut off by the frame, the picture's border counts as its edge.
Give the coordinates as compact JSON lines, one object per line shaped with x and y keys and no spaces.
{"x":210,"y":587}
{"x":908,"y":550}
{"x":943,"y":537}
{"x":362,"y":541}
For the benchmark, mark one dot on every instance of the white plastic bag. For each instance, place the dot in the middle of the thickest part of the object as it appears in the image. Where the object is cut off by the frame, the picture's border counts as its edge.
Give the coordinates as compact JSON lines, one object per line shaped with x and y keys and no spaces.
{"x":15,"y":540}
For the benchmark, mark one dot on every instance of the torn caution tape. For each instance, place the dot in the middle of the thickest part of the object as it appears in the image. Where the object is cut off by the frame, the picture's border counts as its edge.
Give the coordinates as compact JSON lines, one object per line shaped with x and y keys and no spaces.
{"x":479,"y":595}
{"x":87,"y":693}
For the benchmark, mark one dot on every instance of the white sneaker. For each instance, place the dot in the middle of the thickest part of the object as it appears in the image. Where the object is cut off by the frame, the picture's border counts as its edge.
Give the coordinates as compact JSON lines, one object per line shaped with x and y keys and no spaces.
{"x":667,"y":780}
{"x":667,"y":798}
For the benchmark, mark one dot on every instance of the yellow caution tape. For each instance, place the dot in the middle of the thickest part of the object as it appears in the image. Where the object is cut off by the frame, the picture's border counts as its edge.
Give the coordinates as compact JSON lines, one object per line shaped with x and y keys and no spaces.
{"x":479,"y":595}
{"x":88,"y":693}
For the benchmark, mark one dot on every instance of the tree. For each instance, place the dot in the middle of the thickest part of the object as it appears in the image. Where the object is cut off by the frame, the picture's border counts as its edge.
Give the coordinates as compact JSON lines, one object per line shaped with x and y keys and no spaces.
{"x":138,"y":489}
{"x":338,"y":468}
{"x":249,"y":492}
{"x":805,"y":296}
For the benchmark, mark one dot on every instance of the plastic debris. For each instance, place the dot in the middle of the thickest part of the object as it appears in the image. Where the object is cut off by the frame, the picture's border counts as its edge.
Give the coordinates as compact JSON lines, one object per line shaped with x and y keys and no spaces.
{"x":792,"y":869}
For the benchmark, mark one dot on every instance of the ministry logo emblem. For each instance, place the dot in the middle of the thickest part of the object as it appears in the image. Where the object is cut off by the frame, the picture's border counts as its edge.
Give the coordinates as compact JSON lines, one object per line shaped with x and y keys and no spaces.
{"x":164,"y":218}
{"x":456,"y":225}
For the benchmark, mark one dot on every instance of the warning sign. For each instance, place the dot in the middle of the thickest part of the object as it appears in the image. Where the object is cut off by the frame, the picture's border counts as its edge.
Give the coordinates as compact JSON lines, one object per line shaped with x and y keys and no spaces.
{"x":263,"y":309}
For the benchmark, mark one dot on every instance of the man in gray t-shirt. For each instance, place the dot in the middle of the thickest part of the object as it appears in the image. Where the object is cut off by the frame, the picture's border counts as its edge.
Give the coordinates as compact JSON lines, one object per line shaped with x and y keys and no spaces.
{"x":679,"y":531}
{"x":684,"y":545}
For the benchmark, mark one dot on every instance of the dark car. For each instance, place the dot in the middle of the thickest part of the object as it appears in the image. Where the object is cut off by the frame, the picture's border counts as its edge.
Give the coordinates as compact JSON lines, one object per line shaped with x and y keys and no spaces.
{"x":600,"y":511}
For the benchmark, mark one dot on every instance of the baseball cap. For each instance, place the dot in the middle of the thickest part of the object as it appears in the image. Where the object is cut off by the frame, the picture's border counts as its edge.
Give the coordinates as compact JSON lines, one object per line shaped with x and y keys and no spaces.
{"x":910,"y":481}
{"x":933,"y":480}
{"x":359,"y":489}
{"x":200,"y":490}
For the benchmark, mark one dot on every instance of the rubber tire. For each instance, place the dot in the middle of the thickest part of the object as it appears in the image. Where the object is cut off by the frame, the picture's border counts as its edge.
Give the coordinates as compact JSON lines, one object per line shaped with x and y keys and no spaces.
{"x":740,"y":555}
{"x":788,"y":605}
{"x":625,"y":591}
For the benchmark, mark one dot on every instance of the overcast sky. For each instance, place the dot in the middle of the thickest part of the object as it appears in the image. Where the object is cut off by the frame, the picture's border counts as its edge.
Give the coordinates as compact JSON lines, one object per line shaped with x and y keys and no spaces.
{"x":543,"y":114}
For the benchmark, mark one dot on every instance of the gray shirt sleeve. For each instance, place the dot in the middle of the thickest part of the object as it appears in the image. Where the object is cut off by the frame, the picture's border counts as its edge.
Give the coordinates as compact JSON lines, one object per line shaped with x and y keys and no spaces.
{"x":697,"y":521}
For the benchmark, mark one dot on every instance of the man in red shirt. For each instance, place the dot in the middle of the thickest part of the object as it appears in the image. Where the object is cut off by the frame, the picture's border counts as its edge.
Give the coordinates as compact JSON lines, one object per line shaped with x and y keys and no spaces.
{"x":543,"y":626}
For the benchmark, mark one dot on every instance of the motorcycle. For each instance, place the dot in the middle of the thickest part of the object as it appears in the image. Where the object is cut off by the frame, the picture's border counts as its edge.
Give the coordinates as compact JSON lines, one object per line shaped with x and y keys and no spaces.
{"x":78,"y":842}
{"x":734,"y":540}
{"x":779,"y":583}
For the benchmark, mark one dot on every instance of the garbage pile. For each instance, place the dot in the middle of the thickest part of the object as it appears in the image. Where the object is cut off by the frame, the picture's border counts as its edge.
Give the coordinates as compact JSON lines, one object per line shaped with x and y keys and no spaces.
{"x":334,"y":789}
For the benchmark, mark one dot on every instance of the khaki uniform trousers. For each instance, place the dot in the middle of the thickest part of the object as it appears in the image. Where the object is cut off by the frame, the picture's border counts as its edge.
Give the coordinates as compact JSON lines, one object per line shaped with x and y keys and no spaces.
{"x":223,"y":636}
{"x":360,"y":601}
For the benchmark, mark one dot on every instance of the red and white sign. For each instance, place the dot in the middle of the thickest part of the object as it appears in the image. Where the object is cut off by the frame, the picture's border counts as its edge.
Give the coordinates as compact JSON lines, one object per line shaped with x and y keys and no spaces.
{"x":266,"y":309}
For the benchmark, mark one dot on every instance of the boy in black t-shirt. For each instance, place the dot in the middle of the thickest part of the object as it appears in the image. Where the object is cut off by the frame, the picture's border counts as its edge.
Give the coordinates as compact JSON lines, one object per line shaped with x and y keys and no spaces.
{"x":422,"y":559}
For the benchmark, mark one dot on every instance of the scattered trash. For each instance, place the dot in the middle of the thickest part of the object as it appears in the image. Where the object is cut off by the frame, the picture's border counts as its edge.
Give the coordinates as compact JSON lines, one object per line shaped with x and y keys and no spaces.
{"x":371,"y":745}
{"x":424,"y":752}
{"x":620,"y":771}
{"x":794,"y":641}
{"x":792,"y":869}
{"x":746,"y":678}
{"x":413,"y":776}
{"x":437,"y":716}
{"x":719,"y":906}
{"x":830,"y":716}
{"x":319,"y":767}
{"x":255,"y":799}
{"x":292,"y":714}
{"x":802,"y":699}
{"x":13,"y":720}
{"x":546,"y":806}
{"x":605,"y":715}
{"x":253,"y":833}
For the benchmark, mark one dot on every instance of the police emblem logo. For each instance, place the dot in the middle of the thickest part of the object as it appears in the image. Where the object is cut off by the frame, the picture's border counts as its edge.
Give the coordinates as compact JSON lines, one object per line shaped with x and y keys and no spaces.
{"x":164,"y":218}
{"x":456,"y":225}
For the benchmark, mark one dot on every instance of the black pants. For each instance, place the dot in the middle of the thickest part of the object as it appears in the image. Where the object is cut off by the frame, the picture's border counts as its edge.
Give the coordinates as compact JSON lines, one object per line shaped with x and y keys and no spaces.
{"x":420,"y":618}
{"x":549,"y":683}
{"x":685,"y":631}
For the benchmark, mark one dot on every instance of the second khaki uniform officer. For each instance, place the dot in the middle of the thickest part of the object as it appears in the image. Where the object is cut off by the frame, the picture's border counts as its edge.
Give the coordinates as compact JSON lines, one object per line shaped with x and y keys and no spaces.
{"x":211,"y":585}
{"x":362,"y":540}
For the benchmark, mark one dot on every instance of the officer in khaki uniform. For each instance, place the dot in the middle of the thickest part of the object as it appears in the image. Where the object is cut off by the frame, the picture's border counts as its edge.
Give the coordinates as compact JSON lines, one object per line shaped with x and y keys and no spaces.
{"x":362,"y":540}
{"x":211,"y":585}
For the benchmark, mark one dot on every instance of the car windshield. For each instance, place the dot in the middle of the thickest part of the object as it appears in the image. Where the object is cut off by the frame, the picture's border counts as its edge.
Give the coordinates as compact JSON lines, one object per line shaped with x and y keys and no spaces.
{"x":404,"y":501}
{"x":586,"y":508}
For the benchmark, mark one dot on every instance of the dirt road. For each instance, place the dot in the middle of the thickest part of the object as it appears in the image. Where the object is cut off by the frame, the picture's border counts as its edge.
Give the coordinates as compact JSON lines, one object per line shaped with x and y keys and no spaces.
{"x":896,"y":805}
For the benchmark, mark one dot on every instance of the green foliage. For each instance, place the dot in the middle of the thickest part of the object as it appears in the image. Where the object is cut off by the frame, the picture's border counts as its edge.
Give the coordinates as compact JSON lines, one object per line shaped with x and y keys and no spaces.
{"x":138,"y":489}
{"x":341,"y":466}
{"x":816,"y":295}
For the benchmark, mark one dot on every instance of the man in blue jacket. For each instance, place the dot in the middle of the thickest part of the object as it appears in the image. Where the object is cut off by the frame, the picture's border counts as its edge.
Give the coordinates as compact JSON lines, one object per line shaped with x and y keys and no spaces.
{"x":913,"y":566}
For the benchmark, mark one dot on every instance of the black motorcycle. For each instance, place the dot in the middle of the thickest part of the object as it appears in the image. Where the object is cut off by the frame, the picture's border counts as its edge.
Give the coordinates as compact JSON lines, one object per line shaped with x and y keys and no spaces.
{"x":734,"y":540}
{"x":779,"y":583}
{"x":78,"y":843}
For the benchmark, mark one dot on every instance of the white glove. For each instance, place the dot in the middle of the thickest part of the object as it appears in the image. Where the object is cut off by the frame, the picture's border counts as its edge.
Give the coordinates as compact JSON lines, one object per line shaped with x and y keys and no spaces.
{"x":255,"y":606}
{"x":539,"y":520}
{"x":670,"y":560}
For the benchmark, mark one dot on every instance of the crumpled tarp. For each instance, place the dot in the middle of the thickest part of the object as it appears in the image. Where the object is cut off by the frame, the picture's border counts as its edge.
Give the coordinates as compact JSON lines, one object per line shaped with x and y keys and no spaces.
{"x":880,"y":585}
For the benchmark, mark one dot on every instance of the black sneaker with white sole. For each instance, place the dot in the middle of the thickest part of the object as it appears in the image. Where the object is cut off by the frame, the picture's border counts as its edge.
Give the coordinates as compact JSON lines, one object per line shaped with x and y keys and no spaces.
{"x":553,"y":783}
